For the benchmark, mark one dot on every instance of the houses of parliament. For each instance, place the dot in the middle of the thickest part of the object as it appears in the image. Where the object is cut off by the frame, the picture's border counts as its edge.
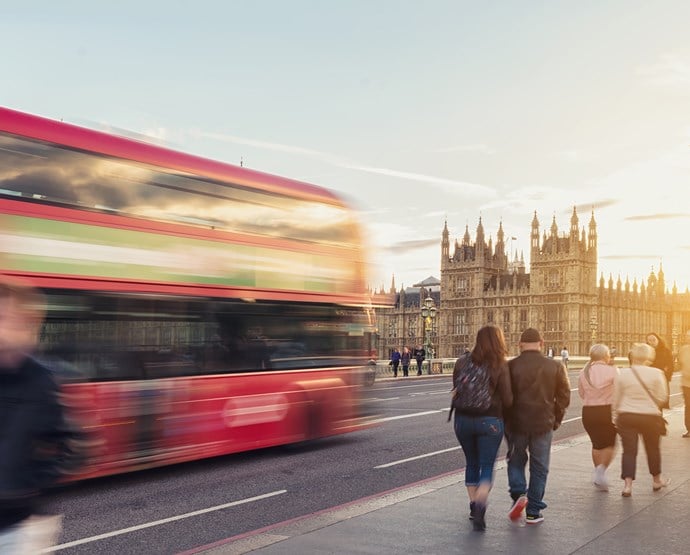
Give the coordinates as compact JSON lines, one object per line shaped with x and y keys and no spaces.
{"x":560,"y":296}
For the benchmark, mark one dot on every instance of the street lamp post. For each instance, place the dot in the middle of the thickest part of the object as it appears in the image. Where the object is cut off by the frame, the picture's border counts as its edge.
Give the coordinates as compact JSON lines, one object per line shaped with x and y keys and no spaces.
{"x":428,"y":312}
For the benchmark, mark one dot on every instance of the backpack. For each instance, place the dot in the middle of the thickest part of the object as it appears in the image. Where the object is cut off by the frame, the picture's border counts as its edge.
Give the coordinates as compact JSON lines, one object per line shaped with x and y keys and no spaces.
{"x":472,"y":392}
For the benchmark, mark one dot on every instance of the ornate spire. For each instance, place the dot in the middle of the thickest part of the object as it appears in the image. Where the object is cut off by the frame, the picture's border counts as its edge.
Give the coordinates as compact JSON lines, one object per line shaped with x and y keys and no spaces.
{"x":466,"y":237}
{"x":554,"y":227}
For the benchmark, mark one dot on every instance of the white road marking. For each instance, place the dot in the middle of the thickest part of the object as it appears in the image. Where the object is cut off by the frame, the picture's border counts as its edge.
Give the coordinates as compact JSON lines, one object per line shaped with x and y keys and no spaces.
{"x":383,"y":399}
{"x":162,"y":521}
{"x":571,"y":420}
{"x":444,"y":392}
{"x":425,"y":455}
{"x":412,"y":415}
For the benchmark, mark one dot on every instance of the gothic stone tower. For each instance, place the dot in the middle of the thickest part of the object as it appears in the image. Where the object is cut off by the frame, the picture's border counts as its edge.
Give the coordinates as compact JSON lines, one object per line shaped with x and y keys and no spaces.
{"x":563,"y":283}
{"x":474,"y":280}
{"x":481,"y":285}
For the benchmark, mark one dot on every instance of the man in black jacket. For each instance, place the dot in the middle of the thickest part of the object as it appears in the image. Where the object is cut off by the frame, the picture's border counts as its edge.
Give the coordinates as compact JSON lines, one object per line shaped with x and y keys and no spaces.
{"x":34,"y":439}
{"x":541,"y":395}
{"x":420,"y":355}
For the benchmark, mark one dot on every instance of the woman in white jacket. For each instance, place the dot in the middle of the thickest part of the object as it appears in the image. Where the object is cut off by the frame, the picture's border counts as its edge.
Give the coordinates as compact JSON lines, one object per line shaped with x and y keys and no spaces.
{"x":638,"y":394}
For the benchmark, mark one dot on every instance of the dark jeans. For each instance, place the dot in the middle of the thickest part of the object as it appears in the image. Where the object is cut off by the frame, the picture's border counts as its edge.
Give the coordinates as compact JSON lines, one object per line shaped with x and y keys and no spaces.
{"x":630,"y":427}
{"x":405,"y":368}
{"x":420,"y":361}
{"x":480,"y":438}
{"x":539,"y":448}
{"x":686,"y":398}
{"x":395,"y":368}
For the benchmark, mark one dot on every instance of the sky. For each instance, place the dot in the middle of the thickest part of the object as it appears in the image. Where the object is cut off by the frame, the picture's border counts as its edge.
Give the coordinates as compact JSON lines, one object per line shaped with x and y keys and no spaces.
{"x":417,"y":112}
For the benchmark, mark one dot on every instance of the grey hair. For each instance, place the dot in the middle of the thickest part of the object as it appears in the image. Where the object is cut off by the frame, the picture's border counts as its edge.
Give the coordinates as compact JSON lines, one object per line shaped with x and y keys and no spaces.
{"x":641,"y":353}
{"x":599,"y":352}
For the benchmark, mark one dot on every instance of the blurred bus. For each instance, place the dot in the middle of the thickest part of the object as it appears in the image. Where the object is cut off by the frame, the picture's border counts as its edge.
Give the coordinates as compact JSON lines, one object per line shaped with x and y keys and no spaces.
{"x":194,"y":308}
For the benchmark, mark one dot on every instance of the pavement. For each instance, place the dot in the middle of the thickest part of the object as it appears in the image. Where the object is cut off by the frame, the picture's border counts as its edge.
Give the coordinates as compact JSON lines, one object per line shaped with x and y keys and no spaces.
{"x":431,"y":517}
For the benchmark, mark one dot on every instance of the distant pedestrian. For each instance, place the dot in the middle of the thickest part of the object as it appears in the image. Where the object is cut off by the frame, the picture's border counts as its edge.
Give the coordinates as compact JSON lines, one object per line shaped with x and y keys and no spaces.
{"x":395,"y":361}
{"x":419,"y":355}
{"x":405,"y":361}
{"x":541,"y":395}
{"x":565,"y":356}
{"x":663,"y":358}
{"x":480,"y":430}
{"x":595,"y":387}
{"x":684,"y":366}
{"x":639,"y":393}
{"x":549,"y":352}
{"x":35,"y":442}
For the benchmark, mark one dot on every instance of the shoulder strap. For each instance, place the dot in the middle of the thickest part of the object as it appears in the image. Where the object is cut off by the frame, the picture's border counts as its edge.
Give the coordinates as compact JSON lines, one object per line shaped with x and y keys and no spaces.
{"x":466,"y":360}
{"x":644,"y":386}
{"x":585,"y":373}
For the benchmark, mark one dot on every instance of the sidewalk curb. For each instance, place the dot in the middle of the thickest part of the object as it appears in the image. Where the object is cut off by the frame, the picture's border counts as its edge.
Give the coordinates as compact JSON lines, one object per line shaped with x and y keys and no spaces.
{"x":275,"y":533}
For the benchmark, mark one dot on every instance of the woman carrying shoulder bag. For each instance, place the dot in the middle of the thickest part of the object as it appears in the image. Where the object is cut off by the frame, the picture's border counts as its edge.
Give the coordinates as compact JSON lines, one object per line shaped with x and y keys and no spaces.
{"x":480,"y":430}
{"x":638,"y":394}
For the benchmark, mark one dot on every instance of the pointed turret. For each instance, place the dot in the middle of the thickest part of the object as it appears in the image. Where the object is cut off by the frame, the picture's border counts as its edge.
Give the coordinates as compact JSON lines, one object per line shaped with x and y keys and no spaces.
{"x":574,"y":225}
{"x":592,"y":245}
{"x":466,"y":237}
{"x":445,"y":243}
{"x":481,"y":245}
{"x":534,"y":236}
{"x":661,"y":282}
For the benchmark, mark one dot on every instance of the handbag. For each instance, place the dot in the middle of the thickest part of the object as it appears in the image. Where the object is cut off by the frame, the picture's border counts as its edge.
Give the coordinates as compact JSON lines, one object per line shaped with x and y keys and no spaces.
{"x":661,"y":422}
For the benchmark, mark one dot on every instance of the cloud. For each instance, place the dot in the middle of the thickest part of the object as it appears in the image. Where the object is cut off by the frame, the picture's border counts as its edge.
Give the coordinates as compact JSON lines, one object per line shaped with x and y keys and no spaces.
{"x":404,"y":246}
{"x":569,"y":155}
{"x":448,"y":185}
{"x":526,"y":199}
{"x":667,"y":216}
{"x":630,"y":256}
{"x":478,"y":148}
{"x":266,"y":145}
{"x":669,"y":71}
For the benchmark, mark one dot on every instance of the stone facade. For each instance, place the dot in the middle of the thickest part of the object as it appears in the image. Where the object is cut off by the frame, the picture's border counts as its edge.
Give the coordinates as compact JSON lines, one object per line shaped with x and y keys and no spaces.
{"x":559,"y":296}
{"x":399,"y":321}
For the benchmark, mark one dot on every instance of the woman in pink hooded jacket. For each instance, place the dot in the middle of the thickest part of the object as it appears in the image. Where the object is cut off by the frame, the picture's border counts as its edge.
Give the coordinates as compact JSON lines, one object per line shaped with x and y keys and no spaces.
{"x":595,"y":386}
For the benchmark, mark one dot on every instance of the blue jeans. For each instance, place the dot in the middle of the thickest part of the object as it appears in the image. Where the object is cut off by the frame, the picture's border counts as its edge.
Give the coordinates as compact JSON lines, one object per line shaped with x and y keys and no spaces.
{"x":539,"y":447}
{"x":480,"y":438}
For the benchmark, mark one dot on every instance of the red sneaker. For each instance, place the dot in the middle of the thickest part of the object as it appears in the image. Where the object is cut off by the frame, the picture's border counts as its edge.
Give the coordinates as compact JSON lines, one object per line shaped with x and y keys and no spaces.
{"x":517,"y":508}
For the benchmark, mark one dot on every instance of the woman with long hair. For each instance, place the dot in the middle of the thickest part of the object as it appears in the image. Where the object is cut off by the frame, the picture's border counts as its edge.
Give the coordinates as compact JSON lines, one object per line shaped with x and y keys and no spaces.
{"x":663,"y":358}
{"x":480,"y":428}
{"x":639,"y":392}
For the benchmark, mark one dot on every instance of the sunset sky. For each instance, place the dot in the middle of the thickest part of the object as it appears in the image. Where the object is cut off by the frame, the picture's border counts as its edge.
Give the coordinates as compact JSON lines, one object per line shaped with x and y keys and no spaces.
{"x":416,"y":111}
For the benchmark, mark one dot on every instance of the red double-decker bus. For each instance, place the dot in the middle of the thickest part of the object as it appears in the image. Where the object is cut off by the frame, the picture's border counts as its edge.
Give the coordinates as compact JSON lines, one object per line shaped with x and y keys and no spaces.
{"x":194,"y":308}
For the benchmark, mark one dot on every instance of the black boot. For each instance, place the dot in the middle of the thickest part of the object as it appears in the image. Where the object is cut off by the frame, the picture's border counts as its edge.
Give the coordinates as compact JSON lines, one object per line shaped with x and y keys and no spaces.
{"x":472,"y":509}
{"x":479,"y":523}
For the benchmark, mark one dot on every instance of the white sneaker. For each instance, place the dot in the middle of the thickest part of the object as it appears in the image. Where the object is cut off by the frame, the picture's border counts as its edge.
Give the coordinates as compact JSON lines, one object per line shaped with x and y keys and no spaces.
{"x":600,"y":481}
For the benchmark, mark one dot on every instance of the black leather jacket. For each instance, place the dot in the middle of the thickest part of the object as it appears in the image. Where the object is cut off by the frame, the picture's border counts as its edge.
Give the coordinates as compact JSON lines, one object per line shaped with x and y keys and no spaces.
{"x":541,"y":393}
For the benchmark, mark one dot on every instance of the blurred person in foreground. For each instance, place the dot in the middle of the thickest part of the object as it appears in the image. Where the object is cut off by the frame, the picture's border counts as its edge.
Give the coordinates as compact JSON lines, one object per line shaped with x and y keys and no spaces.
{"x":662,"y":358}
{"x":595,"y":387}
{"x":35,"y":443}
{"x":684,"y":365}
{"x":541,"y":395}
{"x":480,"y":430}
{"x":638,"y":395}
